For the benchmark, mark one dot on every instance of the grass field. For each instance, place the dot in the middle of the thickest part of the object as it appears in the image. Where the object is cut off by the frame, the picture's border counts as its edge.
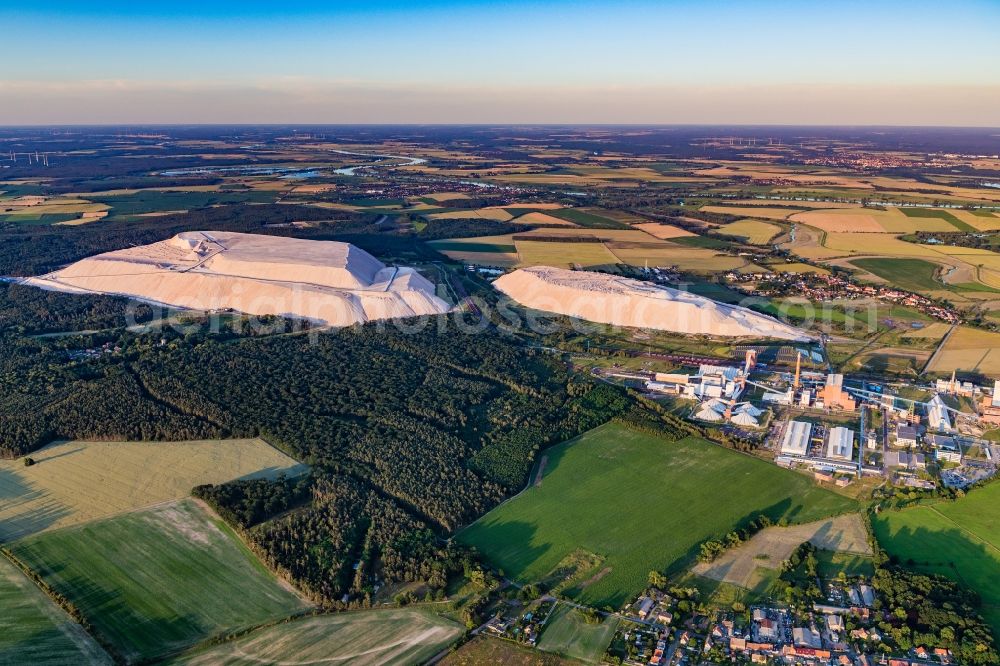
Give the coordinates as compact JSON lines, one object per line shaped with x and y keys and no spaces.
{"x":614,"y":492}
{"x":483,"y":650}
{"x":398,"y":636}
{"x":155,"y":581}
{"x":969,"y":349}
{"x":33,"y":630}
{"x":591,"y":218}
{"x":909,"y":274}
{"x":73,"y":482}
{"x":567,"y":634}
{"x":754,"y":231}
{"x":148,"y":201}
{"x":960,"y":540}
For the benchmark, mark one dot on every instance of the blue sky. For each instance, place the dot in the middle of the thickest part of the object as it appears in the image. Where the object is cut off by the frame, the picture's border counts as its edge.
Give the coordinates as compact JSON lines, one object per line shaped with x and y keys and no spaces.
{"x":488,"y":61}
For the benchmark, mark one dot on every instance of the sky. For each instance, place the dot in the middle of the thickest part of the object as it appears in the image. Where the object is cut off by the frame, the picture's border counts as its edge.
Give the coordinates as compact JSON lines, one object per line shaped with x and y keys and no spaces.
{"x":881,"y":62}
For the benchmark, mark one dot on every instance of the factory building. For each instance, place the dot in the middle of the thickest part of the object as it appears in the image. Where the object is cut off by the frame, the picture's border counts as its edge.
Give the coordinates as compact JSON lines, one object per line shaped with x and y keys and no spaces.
{"x":938,"y":417}
{"x":798,"y":434}
{"x":840,"y":444}
{"x":833,"y":396}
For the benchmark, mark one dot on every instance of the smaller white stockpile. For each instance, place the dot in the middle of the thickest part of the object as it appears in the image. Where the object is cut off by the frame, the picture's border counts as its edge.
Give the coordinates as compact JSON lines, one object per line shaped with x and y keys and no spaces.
{"x":326,"y":282}
{"x":611,"y":299}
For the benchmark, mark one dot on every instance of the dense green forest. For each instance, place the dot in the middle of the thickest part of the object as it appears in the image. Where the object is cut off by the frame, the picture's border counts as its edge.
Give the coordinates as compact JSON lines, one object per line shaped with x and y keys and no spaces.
{"x":410,"y":433}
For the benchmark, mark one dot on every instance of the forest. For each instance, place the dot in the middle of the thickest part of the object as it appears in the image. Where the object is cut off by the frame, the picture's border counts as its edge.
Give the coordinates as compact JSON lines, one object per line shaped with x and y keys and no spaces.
{"x":410,"y":432}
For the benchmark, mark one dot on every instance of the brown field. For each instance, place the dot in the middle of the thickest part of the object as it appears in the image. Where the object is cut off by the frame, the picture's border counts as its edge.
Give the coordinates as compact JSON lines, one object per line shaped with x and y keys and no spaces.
{"x":770,"y":547}
{"x":74,"y":482}
{"x":969,"y":349}
{"x":663,"y":231}
{"x":753,"y":211}
{"x":542,"y":218}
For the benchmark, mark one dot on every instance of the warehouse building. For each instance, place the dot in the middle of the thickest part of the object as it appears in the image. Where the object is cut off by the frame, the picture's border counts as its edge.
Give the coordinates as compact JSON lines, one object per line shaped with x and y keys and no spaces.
{"x":840,"y":444}
{"x":798,"y":434}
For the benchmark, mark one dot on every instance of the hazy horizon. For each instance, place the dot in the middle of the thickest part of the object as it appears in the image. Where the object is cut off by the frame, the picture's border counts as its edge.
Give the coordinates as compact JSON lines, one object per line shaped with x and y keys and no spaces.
{"x":473,"y":62}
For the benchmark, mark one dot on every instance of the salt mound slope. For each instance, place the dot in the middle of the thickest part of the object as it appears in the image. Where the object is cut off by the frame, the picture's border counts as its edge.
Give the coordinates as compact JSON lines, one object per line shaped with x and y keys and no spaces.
{"x":609,"y":299}
{"x":323,"y":281}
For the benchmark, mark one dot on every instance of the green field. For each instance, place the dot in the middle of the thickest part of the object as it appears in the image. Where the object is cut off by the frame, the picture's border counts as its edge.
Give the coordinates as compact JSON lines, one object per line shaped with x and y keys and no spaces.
{"x":909,"y":274}
{"x":397,"y":636}
{"x":568,"y":635}
{"x":460,"y":246}
{"x":940,"y":215}
{"x":33,"y":630}
{"x":639,"y":502}
{"x":158,"y":580}
{"x":587,"y":219}
{"x":958,"y":539}
{"x":151,"y":201}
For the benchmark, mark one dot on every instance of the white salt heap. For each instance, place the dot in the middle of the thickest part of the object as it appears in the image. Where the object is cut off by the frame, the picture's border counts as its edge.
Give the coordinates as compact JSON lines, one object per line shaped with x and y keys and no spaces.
{"x":324,"y":281}
{"x":610,"y":299}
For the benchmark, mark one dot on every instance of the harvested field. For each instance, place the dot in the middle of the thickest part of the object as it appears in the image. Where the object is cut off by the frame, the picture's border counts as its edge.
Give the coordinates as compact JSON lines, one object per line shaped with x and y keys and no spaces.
{"x":969,"y":349}
{"x":979,"y":220}
{"x":567,"y":255}
{"x":33,"y":630}
{"x":754,"y":231}
{"x":663,"y":231}
{"x":74,"y":482}
{"x":874,"y":244}
{"x":934,"y":331}
{"x":692,"y":259}
{"x":773,"y":545}
{"x":753,"y":211}
{"x":400,"y":636}
{"x":156,"y":581}
{"x":542,"y":218}
{"x":498,"y":214}
{"x":847,"y":221}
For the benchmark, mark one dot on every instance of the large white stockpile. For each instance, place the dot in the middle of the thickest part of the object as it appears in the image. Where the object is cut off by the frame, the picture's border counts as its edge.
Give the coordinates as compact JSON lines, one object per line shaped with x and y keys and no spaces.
{"x":610,"y":299}
{"x":323,"y":281}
